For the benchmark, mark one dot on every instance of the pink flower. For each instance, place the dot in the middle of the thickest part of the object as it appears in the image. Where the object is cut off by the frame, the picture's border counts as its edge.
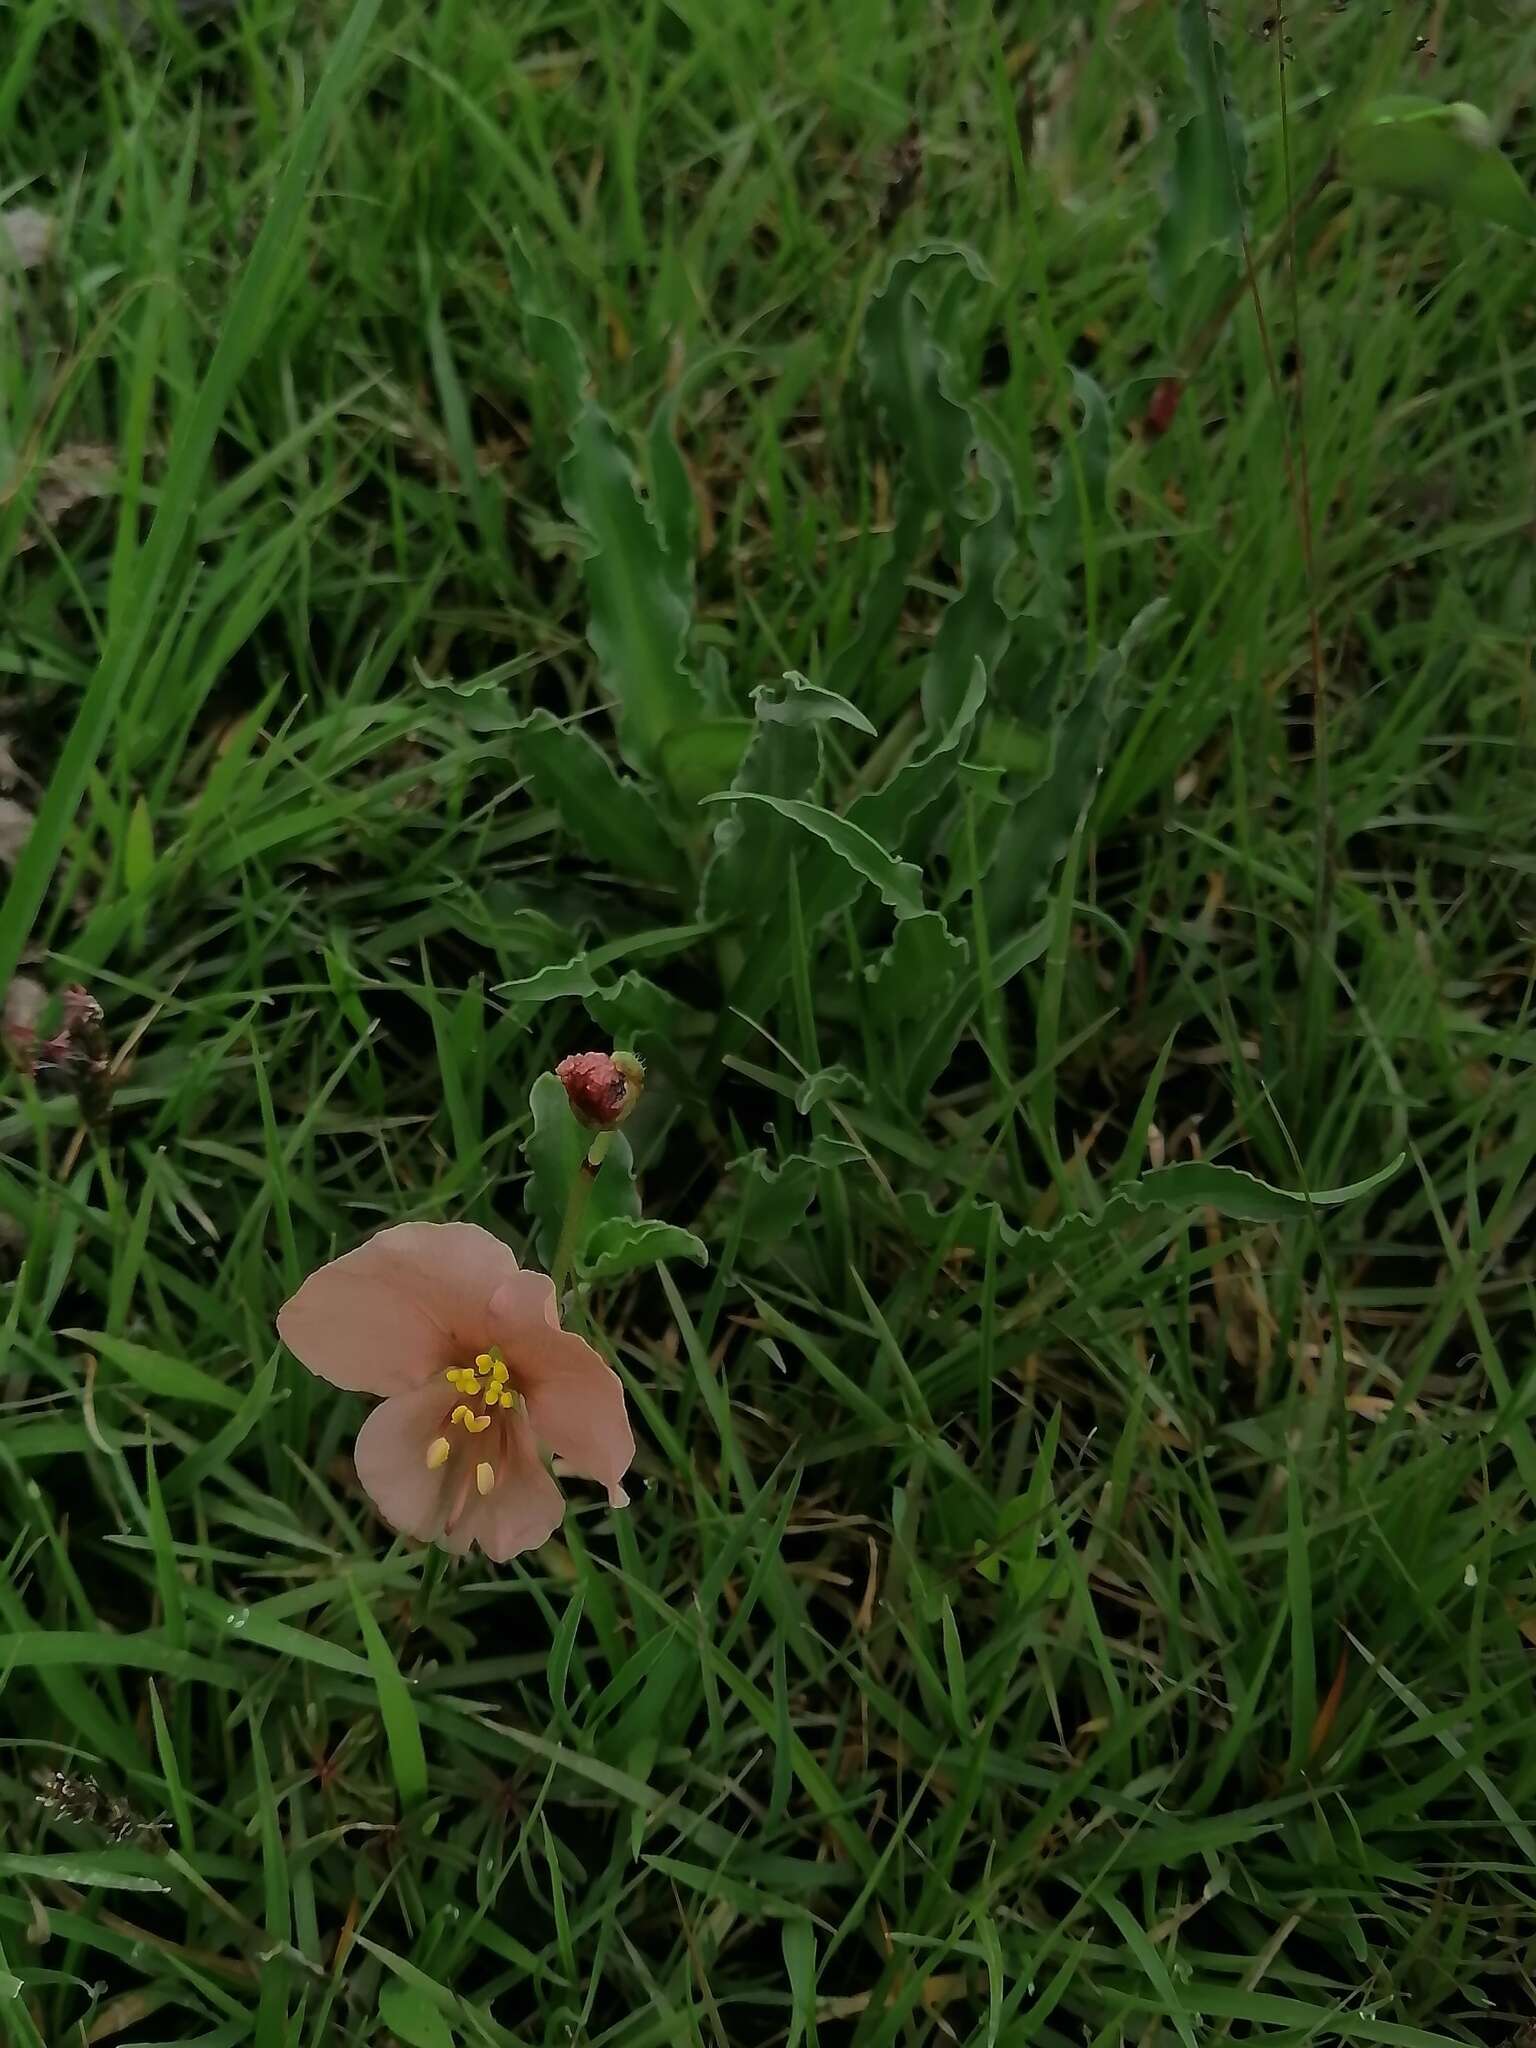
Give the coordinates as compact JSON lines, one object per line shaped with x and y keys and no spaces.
{"x":602,"y":1087}
{"x":476,"y":1376}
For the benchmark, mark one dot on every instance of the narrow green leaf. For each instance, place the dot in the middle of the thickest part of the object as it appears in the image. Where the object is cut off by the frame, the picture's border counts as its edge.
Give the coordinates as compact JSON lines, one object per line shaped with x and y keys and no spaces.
{"x":102,"y":1870}
{"x":169,"y":1379}
{"x":138,"y":847}
{"x":402,"y":1730}
{"x":266,"y":275}
{"x":1079,"y":496}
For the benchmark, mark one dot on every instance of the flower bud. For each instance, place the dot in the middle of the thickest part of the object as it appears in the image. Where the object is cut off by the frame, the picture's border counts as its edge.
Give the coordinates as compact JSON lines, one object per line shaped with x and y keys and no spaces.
{"x":602,"y":1087}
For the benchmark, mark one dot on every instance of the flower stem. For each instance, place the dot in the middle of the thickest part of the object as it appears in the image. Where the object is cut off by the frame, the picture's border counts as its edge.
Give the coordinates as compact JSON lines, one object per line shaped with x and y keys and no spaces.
{"x":576,"y":1209}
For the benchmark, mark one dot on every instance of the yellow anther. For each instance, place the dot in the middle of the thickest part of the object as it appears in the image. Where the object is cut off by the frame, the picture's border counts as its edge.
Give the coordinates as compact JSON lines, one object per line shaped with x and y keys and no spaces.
{"x":437,"y":1452}
{"x":475,"y":1423}
{"x":508,"y":1398}
{"x":464,"y":1415}
{"x":485,"y":1477}
{"x":498,"y":1369}
{"x":483,"y":1362}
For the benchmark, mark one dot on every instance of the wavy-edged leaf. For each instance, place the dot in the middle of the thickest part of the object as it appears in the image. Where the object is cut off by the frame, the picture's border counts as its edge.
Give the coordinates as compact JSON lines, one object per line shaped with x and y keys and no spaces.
{"x":1421,"y":148}
{"x":745,"y":875}
{"x":641,"y":600}
{"x":935,"y":1047}
{"x":1180,"y":1190}
{"x":899,"y":883}
{"x":640,"y":590}
{"x":774,"y":1200}
{"x":975,"y":628}
{"x":1206,"y":200}
{"x":916,"y":972}
{"x":1233,"y":1191}
{"x":1041,"y":822}
{"x":1079,"y":496}
{"x":628,"y":1245}
{"x":910,"y":373}
{"x":612,"y":819}
{"x":556,"y":1147}
{"x":805,"y":704}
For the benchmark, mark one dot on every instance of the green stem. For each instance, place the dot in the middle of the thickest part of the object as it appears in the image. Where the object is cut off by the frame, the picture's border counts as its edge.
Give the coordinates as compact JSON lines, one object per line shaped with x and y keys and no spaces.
{"x":576,"y":1209}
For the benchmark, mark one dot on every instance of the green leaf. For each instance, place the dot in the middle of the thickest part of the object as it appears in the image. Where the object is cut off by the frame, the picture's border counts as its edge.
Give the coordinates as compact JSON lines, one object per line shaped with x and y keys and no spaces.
{"x":917,"y":970}
{"x":698,"y":759}
{"x":168,"y":1379}
{"x":774,"y":1200}
{"x":835,"y":1084}
{"x":412,"y":2018}
{"x":1429,"y":149}
{"x":266,"y":276}
{"x":1079,"y":497}
{"x":745,"y":876}
{"x":624,"y":1245}
{"x":975,"y":627}
{"x":138,"y":847}
{"x":1207,"y":193}
{"x":402,"y":1730}
{"x":556,"y":1148}
{"x":805,"y":704}
{"x":640,"y":591}
{"x":1181,"y":1190}
{"x":641,"y":600}
{"x":611,"y":819}
{"x":910,"y":372}
{"x":102,"y":1870}
{"x":1042,"y":820}
{"x":1195,"y":1184}
{"x":899,"y":883}
{"x":895,"y":813}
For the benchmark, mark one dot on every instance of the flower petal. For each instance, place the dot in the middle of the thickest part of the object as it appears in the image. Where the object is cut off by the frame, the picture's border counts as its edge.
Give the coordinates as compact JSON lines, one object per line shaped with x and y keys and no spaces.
{"x":404,"y":1306}
{"x":391,"y":1459}
{"x":575,"y":1401}
{"x":524,"y":1506}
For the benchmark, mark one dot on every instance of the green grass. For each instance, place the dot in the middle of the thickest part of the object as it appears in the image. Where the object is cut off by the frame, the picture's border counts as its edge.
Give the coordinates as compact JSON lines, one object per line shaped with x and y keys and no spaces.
{"x":1123,"y":1637}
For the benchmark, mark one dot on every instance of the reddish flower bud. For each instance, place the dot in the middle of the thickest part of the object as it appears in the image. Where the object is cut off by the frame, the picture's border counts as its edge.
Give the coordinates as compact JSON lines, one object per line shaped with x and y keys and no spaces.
{"x":602,"y":1087}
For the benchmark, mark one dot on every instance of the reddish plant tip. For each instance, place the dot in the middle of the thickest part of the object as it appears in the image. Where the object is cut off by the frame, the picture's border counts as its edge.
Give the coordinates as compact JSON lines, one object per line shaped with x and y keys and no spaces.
{"x":602,"y":1087}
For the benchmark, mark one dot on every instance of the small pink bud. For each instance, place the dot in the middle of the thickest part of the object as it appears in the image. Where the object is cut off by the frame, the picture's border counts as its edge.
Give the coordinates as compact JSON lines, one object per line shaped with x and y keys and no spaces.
{"x":602,"y":1087}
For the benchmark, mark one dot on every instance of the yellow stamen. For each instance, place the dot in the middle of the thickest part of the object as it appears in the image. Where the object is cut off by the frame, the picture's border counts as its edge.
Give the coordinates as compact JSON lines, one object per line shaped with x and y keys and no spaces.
{"x":463,"y":1414}
{"x":498,"y":1369}
{"x":485,"y":1477}
{"x":437,"y":1452}
{"x":475,"y":1423}
{"x":483,"y":1362}
{"x":508,"y":1398}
